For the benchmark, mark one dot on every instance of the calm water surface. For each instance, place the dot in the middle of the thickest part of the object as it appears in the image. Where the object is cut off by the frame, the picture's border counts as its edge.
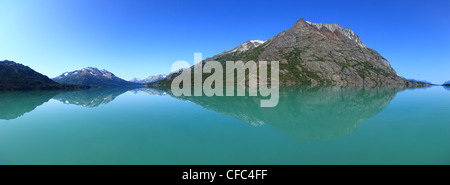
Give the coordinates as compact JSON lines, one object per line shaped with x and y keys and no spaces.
{"x":147,"y":126}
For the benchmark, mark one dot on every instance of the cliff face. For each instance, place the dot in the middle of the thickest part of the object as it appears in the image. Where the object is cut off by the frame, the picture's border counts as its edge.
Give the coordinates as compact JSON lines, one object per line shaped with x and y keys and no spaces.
{"x":320,"y":54}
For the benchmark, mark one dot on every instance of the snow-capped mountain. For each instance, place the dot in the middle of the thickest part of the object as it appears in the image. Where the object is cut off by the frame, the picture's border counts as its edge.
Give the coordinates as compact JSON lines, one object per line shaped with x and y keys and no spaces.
{"x":244,"y":47}
{"x":149,"y":79}
{"x":92,"y":76}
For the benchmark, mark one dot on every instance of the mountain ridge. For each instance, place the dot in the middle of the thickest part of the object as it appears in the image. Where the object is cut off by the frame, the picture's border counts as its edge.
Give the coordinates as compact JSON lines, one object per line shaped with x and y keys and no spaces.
{"x":16,"y":76}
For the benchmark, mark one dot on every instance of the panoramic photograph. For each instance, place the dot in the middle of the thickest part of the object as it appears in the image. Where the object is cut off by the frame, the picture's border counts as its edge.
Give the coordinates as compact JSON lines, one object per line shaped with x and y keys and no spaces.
{"x":116,"y":82}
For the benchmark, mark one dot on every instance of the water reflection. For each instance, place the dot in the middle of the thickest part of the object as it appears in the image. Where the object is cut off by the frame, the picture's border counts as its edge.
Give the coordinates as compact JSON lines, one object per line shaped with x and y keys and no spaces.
{"x":447,"y":88}
{"x":150,"y":91}
{"x":308,"y":114}
{"x":92,"y":97}
{"x":14,"y":104}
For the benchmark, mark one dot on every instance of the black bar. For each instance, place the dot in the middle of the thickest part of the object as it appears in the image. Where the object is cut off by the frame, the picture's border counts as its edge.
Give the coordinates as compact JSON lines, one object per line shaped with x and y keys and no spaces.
{"x":173,"y":174}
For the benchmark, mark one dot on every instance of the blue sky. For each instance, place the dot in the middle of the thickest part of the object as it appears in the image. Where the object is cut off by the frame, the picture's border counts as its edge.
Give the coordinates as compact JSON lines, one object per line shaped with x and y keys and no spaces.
{"x":134,"y":38}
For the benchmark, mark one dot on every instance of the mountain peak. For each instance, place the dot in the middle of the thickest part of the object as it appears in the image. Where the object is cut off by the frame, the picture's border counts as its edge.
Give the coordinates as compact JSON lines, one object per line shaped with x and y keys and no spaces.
{"x":90,"y":68}
{"x":91,"y":76}
{"x":301,"y":23}
{"x":256,"y":41}
{"x":149,"y":79}
{"x":248,"y":45}
{"x":94,"y":69}
{"x":8,"y":62}
{"x":336,"y":28}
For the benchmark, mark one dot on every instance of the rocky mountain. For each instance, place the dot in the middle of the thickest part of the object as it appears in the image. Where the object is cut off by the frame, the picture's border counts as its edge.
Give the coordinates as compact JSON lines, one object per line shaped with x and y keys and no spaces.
{"x":93,"y":77}
{"x":316,"y":54}
{"x":14,"y":76}
{"x":149,"y":79}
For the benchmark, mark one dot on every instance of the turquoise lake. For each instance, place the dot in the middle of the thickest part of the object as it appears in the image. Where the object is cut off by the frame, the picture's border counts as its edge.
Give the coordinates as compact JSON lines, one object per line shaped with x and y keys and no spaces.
{"x":328,"y":125}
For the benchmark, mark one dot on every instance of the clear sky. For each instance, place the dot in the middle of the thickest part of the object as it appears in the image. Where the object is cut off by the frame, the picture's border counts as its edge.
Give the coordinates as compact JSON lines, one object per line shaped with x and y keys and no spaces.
{"x":134,"y":38}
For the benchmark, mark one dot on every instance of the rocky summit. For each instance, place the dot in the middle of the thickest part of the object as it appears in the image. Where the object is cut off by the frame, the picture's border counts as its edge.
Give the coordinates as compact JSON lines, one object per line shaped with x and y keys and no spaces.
{"x":318,"y":54}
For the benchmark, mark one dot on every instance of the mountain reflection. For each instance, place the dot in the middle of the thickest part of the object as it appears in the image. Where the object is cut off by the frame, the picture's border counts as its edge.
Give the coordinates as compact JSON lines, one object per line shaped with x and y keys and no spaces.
{"x":14,"y":104}
{"x":149,"y":91}
{"x":96,"y":97}
{"x":308,"y":114}
{"x":92,"y":97}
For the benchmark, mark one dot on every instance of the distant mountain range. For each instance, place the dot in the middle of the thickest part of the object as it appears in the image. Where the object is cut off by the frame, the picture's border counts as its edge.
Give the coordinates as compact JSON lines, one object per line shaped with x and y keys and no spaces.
{"x":14,"y":76}
{"x":315,"y":54}
{"x":93,"y":77}
{"x":149,"y":79}
{"x":309,"y":54}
